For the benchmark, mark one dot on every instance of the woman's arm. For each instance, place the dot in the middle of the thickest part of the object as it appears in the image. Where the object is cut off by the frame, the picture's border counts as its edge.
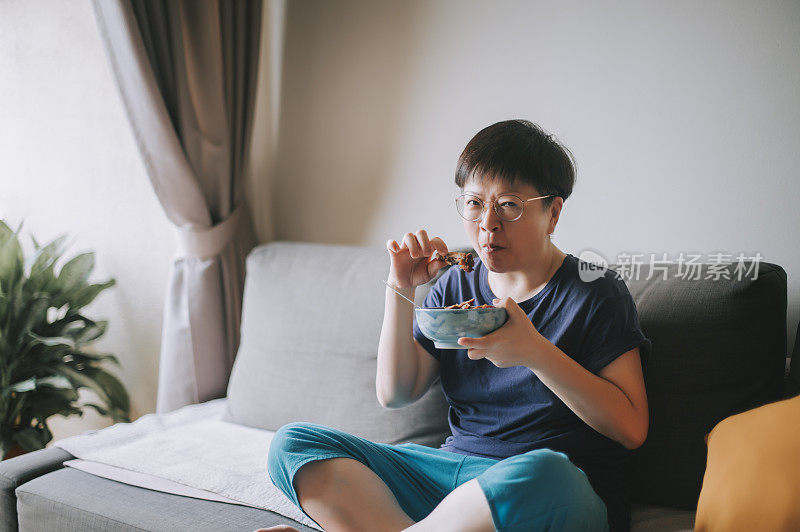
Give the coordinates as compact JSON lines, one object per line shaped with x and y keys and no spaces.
{"x":397,"y":370}
{"x":614,"y":403}
{"x":403,"y":370}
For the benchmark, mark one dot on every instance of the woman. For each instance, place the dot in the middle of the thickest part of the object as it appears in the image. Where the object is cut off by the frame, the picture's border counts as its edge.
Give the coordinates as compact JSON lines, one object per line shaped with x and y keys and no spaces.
{"x":543,"y":411}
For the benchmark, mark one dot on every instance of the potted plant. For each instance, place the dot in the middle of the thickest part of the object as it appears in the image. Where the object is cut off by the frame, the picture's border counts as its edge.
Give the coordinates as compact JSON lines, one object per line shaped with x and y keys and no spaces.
{"x":45,"y":355}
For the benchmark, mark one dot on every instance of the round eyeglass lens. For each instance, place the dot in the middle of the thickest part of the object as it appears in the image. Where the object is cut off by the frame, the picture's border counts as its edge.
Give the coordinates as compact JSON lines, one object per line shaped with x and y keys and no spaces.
{"x":508,"y":208}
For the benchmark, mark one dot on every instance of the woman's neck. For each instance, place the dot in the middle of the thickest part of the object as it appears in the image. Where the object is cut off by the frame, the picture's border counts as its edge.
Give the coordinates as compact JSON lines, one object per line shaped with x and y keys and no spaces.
{"x":522,"y":285}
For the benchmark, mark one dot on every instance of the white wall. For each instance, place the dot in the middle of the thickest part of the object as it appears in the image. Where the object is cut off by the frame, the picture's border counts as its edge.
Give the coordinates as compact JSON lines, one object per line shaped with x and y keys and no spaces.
{"x":684,"y":118}
{"x":70,"y":166}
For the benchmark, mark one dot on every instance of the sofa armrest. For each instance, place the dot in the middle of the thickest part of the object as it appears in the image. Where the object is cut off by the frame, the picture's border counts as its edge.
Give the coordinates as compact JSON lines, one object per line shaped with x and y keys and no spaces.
{"x":17,"y":471}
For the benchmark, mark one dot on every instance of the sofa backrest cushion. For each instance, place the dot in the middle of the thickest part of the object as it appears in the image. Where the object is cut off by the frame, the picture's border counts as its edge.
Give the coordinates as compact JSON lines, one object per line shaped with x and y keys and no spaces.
{"x":793,"y":381}
{"x":719,"y":348}
{"x":311,"y":322}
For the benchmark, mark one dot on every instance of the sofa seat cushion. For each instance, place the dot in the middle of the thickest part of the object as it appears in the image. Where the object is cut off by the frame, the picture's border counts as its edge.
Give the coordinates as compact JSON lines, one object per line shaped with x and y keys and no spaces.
{"x":660,"y":519}
{"x":70,"y":499}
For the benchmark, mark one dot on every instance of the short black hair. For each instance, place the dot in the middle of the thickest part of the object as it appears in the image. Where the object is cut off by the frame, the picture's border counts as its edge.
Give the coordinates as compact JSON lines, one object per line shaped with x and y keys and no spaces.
{"x":518,"y":151}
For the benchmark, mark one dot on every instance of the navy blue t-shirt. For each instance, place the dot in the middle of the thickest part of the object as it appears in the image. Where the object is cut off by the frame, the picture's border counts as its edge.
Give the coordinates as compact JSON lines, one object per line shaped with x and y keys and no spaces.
{"x":501,"y":412}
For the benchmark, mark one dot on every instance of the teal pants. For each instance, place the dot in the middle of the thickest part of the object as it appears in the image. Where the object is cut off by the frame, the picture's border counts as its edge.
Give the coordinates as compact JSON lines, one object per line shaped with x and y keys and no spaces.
{"x":537,"y":490}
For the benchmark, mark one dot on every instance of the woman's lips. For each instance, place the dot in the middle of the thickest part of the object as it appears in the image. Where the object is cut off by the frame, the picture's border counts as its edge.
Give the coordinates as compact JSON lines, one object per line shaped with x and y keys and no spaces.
{"x":491,"y":249}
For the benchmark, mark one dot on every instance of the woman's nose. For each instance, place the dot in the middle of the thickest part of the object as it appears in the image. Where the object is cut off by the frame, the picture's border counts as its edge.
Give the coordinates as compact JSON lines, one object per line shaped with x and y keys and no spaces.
{"x":490,"y":221}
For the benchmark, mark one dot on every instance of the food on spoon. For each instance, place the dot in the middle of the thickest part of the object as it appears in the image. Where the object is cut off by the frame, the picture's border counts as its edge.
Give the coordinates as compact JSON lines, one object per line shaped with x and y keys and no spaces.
{"x":455,"y":258}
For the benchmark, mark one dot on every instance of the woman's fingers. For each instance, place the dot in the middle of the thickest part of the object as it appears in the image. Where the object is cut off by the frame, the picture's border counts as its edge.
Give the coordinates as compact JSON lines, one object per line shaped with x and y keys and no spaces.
{"x":414,"y":249}
{"x":477,"y":354}
{"x":439,"y":245}
{"x":418,"y":244}
{"x":422,"y":238}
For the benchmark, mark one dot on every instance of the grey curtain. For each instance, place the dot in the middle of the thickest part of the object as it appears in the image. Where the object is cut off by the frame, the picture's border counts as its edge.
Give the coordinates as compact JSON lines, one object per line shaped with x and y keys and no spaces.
{"x":187,"y":72}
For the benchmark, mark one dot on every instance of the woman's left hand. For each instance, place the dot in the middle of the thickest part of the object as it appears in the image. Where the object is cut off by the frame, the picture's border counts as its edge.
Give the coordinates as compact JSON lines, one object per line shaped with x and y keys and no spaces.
{"x":513,"y":344}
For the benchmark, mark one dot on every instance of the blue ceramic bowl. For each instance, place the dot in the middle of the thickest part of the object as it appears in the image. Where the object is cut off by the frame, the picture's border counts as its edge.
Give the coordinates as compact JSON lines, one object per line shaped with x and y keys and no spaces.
{"x":446,"y":326}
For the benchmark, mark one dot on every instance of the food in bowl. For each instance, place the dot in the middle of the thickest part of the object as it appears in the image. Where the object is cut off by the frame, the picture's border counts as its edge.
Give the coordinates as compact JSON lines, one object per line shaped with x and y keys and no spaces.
{"x":446,"y":325}
{"x":468,"y":305}
{"x":455,"y":258}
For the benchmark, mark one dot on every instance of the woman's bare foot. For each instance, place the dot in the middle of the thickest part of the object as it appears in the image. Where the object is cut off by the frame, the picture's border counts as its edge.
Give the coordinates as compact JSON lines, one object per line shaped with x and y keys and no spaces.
{"x":279,"y":528}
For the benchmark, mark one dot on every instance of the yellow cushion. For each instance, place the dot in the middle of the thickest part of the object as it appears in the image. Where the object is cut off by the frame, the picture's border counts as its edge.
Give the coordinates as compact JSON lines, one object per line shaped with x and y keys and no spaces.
{"x":752,"y":479}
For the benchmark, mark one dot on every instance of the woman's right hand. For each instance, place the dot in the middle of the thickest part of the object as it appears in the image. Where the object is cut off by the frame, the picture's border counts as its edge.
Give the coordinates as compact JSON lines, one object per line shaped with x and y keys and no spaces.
{"x":411,"y":265}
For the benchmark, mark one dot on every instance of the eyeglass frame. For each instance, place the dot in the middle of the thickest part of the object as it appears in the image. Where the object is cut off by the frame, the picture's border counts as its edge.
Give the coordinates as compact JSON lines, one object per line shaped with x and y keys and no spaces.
{"x":494,"y":206}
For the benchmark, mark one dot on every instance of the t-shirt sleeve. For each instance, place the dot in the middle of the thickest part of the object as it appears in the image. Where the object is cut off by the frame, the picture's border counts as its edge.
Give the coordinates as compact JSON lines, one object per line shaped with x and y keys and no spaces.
{"x":432,"y":299}
{"x":612,"y":330}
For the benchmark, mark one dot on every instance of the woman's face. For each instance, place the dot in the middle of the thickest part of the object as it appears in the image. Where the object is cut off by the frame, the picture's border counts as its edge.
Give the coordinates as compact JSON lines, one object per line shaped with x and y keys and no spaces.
{"x":505,"y":246}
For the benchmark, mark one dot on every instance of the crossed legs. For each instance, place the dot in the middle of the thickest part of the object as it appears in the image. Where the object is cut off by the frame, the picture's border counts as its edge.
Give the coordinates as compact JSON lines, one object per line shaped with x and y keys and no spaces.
{"x":342,"y":495}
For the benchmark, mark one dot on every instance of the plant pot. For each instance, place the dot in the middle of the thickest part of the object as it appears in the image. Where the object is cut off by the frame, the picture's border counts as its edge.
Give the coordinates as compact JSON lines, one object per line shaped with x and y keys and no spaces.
{"x":15,"y":450}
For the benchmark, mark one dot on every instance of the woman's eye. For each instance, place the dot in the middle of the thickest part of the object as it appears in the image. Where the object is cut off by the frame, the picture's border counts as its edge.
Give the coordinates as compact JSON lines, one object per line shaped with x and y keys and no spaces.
{"x":473,"y":203}
{"x":511,"y":204}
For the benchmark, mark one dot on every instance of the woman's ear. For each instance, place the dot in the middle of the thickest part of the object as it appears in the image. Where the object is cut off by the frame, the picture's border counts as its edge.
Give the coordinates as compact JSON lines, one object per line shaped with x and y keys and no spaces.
{"x":555,"y":212}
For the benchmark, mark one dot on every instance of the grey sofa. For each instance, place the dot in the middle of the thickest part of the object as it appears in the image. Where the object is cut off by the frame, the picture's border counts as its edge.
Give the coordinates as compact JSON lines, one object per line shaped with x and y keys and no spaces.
{"x":311,"y":321}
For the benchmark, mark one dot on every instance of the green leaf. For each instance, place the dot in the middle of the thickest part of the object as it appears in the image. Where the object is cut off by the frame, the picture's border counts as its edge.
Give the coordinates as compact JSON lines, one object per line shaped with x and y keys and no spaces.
{"x":5,"y":445}
{"x":11,"y":258}
{"x":100,"y":410}
{"x":86,"y":295}
{"x":48,"y":401}
{"x":81,"y":356}
{"x":107,"y":387}
{"x":17,"y":406}
{"x":35,"y":314}
{"x":42,"y":274}
{"x":114,"y":388}
{"x":56,"y":381}
{"x":45,"y":258}
{"x":33,"y":383}
{"x":32,"y":439}
{"x":54,"y":340}
{"x":64,"y":324}
{"x":37,"y":359}
{"x":91,"y":332}
{"x":72,"y":329}
{"x":76,"y":271}
{"x":22,"y":386}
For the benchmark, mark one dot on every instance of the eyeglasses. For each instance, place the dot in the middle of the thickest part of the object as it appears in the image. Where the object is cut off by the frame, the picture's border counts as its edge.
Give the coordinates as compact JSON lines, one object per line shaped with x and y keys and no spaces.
{"x":508,"y":207}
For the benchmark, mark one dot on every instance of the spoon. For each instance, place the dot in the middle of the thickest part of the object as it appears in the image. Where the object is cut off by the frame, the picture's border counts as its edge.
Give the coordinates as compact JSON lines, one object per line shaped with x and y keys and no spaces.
{"x":401,"y":295}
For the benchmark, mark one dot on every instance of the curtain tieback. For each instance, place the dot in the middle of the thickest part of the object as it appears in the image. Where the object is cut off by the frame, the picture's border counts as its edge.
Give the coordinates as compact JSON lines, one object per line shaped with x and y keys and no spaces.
{"x":210,"y":241}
